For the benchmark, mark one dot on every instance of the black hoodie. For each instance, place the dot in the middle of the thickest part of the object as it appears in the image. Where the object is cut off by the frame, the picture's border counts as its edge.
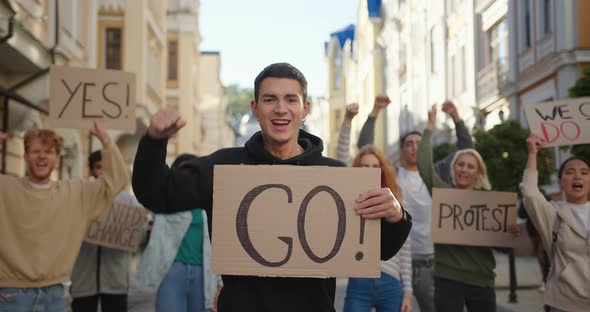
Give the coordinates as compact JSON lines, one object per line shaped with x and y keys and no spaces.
{"x":164,"y":190}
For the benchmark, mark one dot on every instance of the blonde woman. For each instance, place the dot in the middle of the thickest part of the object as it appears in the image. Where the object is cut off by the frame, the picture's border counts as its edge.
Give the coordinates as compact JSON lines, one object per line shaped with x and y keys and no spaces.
{"x":464,"y":275}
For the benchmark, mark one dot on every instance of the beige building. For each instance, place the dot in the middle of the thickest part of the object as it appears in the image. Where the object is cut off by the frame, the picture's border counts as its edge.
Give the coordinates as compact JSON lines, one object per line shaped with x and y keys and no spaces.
{"x":32,"y":37}
{"x":215,"y":130}
{"x":355,"y":62}
{"x":182,"y":75}
{"x":157,"y":40}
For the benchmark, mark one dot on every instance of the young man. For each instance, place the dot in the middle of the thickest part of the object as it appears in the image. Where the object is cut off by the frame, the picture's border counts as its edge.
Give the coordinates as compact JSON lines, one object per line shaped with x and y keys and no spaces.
{"x":101,"y":273}
{"x":42,"y":222}
{"x":280,"y":105}
{"x":416,"y":197}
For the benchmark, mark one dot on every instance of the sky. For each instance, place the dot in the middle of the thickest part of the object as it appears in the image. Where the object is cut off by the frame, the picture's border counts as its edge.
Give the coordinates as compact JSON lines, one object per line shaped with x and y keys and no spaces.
{"x":251,"y":34}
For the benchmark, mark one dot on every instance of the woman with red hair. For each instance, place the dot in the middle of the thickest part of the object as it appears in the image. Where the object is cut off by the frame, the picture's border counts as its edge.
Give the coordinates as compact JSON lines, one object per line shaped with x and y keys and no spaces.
{"x":385,"y":293}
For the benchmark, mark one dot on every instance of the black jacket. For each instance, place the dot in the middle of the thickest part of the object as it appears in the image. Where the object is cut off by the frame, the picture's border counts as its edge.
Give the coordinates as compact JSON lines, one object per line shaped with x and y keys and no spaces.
{"x":164,"y":190}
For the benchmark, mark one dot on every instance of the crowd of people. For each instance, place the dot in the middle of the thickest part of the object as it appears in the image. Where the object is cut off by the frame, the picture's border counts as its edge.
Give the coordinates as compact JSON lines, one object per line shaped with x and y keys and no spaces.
{"x":43,"y":222}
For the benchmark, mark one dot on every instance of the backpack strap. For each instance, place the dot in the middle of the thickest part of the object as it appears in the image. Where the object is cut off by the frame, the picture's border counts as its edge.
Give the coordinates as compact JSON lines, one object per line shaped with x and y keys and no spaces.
{"x":554,"y":234}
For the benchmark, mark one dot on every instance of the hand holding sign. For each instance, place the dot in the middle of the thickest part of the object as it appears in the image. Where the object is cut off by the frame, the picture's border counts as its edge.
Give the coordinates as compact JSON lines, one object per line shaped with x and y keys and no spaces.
{"x":379,"y":203}
{"x":165,"y":123}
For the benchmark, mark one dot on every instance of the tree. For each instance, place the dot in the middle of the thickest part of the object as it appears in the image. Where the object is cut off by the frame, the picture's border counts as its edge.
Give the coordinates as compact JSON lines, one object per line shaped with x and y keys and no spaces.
{"x":580,"y":89}
{"x":504,"y":150}
{"x":238,"y":99}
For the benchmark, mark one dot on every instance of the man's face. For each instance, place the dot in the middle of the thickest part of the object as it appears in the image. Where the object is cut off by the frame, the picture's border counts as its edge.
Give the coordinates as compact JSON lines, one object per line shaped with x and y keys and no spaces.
{"x":41,"y":158}
{"x":410,"y":148}
{"x":97,"y":169}
{"x":280,"y":110}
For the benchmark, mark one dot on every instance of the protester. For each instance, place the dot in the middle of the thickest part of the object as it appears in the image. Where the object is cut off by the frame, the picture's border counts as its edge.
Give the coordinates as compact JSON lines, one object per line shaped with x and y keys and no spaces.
{"x":43,"y":222}
{"x":564,"y":228}
{"x":280,"y":105}
{"x":384,"y":293}
{"x":464,"y":275}
{"x":415,"y":193}
{"x":177,"y":260}
{"x":101,"y":273}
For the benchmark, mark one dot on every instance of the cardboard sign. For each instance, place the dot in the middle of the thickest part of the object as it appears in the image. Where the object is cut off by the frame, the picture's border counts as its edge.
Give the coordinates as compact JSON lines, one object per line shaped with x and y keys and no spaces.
{"x":78,"y":97}
{"x":293,"y":221}
{"x":565,"y":122}
{"x":475,"y":218}
{"x":119,"y":227}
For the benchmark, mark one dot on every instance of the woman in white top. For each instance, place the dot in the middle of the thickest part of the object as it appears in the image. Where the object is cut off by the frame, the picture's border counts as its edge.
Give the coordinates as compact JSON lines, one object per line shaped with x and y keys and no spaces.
{"x":564,"y":229}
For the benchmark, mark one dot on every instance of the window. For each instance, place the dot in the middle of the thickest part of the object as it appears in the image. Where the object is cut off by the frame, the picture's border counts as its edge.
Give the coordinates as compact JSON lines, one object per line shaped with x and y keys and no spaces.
{"x":498,"y":44}
{"x":526,"y":24}
{"x":547,"y":17}
{"x":113,"y":48}
{"x":173,"y":60}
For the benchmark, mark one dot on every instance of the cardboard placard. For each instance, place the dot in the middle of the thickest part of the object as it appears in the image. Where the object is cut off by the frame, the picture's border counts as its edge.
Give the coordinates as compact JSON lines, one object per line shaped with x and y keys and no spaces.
{"x":80,"y":96}
{"x":475,"y":218}
{"x":565,"y":122}
{"x":293,"y":221}
{"x":119,"y":227}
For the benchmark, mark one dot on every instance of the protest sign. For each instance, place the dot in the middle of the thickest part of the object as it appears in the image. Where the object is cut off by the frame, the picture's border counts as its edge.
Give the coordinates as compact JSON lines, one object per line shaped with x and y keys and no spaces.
{"x":293,"y":221}
{"x":565,"y":122}
{"x":477,"y":218}
{"x":78,"y":97}
{"x":119,"y":227}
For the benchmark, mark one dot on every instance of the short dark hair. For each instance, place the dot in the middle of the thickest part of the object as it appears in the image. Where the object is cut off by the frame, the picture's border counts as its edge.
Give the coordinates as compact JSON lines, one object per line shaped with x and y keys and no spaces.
{"x":403,"y":138}
{"x":93,"y":158}
{"x":182,"y":159}
{"x":280,"y":70}
{"x":562,"y":167}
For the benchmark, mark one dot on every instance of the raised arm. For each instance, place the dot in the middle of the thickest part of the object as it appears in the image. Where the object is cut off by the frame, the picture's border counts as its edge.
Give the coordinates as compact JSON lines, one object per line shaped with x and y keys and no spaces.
{"x":541,"y":212}
{"x":343,"y":147}
{"x":157,"y":187}
{"x":464,"y":141}
{"x":367,"y":135}
{"x":424,"y":156}
{"x":99,"y":194}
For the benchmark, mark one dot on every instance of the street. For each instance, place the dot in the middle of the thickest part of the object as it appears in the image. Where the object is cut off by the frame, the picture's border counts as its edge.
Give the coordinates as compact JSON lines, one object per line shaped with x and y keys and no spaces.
{"x":528,"y":277}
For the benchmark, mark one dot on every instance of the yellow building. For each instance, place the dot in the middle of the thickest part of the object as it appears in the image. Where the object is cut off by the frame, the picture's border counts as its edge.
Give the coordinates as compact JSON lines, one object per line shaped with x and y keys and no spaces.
{"x":183,"y":62}
{"x":355,"y":66}
{"x":215,"y":131}
{"x":34,"y":35}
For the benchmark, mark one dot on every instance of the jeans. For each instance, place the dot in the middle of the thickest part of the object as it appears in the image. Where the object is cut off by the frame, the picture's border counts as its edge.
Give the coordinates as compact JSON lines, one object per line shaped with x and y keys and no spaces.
{"x":423,"y":284}
{"x":362,"y":294}
{"x":44,"y":299}
{"x":182,"y":289}
{"x":450,"y":296}
{"x":108,"y":303}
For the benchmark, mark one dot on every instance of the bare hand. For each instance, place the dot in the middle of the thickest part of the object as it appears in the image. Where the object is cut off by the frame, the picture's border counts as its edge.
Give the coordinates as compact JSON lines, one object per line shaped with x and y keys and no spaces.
{"x":406,"y":304}
{"x":3,"y":136}
{"x":514,"y":229}
{"x":431,"y":118}
{"x":450,"y":109}
{"x":165,"y":123}
{"x":533,"y":142}
{"x":381,"y":101}
{"x":100,"y":134}
{"x":351,"y":110}
{"x":379,"y":203}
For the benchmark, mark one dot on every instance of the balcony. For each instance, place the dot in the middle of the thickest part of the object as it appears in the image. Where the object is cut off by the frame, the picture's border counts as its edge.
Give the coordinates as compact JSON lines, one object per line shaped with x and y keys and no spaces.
{"x":490,"y":81}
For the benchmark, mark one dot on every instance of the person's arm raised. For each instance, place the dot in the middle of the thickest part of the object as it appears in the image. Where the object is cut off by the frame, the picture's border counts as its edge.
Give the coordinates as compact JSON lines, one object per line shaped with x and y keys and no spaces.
{"x":367,"y":135}
{"x":343,"y":147}
{"x":157,"y":187}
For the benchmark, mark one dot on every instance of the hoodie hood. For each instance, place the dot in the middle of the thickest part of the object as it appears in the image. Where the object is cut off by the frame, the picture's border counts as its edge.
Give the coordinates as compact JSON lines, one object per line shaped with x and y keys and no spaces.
{"x":312,"y":150}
